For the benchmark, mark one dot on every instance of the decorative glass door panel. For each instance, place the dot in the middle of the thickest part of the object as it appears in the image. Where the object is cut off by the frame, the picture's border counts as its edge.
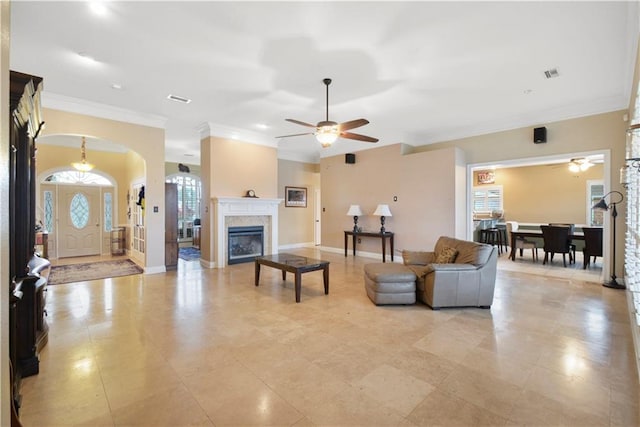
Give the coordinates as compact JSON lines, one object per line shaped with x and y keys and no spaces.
{"x":80,"y":216}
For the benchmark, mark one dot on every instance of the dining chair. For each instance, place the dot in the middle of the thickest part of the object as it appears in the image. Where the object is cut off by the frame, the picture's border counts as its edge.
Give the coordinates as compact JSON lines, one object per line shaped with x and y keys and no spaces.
{"x":556,"y":241}
{"x":571,"y":230}
{"x":592,"y":245}
{"x":521,"y":243}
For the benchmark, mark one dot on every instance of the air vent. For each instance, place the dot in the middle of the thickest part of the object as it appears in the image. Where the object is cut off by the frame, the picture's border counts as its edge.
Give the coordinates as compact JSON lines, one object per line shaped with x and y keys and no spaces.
{"x":550,"y":74}
{"x":179,"y":99}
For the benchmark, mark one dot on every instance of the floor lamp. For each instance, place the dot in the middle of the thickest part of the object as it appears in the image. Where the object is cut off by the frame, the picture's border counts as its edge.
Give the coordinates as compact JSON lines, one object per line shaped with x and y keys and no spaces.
{"x":602,"y":205}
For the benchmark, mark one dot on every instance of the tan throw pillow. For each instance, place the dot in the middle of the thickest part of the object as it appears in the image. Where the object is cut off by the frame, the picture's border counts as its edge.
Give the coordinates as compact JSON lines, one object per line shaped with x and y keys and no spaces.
{"x":446,"y":256}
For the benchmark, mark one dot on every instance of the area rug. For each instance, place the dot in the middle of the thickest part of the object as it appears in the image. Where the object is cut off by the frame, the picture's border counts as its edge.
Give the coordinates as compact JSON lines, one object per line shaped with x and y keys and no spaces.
{"x":189,"y":254}
{"x":92,"y":271}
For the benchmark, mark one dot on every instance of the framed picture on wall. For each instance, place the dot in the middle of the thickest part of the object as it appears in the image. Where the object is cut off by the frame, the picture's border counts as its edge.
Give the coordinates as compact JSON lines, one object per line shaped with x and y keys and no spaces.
{"x":486,"y":177}
{"x":295,"y":197}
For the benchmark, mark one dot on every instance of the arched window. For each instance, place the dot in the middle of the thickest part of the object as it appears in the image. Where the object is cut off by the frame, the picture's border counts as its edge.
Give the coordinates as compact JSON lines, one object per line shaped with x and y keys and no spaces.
{"x":76,"y":177}
{"x":189,"y":197}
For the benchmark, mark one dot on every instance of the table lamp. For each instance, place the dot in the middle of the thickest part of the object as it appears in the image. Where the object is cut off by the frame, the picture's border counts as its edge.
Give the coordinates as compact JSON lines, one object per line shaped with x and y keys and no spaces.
{"x":382,"y":211}
{"x":355,"y":212}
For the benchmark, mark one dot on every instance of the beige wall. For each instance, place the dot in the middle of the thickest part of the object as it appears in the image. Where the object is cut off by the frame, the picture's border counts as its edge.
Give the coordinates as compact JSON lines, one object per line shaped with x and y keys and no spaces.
{"x":598,"y":132}
{"x":238,"y":166}
{"x":563,"y":193}
{"x":171,"y":168}
{"x":429,"y":182}
{"x":424,"y":183}
{"x":297,"y":224}
{"x":206,"y":237}
{"x":122,"y":167}
{"x":148,"y":142}
{"x":230,"y":168}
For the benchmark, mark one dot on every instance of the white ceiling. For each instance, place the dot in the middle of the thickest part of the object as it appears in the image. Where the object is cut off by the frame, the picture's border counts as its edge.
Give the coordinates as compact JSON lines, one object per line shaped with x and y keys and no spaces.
{"x":420,"y":72}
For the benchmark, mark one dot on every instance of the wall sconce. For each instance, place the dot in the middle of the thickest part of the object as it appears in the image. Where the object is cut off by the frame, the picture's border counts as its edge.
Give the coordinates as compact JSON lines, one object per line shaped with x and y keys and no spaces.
{"x":382,"y":211}
{"x":355,"y":212}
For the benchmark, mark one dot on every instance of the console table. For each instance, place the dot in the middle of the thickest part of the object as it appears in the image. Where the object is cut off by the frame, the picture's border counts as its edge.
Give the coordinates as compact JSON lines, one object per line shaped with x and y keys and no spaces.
{"x":382,"y":236}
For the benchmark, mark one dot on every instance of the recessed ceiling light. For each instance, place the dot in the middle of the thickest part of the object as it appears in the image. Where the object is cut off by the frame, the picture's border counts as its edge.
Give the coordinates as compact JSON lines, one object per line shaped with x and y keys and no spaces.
{"x":179,"y":99}
{"x":116,"y":86}
{"x":87,"y":59}
{"x":98,"y":7}
{"x":261,"y":126}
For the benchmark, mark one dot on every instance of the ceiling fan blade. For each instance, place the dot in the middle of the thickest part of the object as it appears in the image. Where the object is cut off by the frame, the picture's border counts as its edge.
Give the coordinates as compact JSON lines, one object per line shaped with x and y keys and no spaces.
{"x":298,"y":122}
{"x":349,"y":135}
{"x":295,"y":134}
{"x":353,"y":124}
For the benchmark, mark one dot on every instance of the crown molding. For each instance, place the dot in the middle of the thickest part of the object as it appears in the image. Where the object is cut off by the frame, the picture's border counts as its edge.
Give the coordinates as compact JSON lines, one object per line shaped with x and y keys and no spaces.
{"x":81,"y":106}
{"x":210,"y":129}
{"x":573,"y":111}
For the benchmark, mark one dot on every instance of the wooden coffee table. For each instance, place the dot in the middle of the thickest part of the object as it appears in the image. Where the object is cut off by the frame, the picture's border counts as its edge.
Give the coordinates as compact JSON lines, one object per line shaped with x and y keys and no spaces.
{"x":294,"y":264}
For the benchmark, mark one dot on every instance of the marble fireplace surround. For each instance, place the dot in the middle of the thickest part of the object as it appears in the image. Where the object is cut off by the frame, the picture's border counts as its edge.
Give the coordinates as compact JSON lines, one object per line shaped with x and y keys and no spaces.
{"x":244,"y":211}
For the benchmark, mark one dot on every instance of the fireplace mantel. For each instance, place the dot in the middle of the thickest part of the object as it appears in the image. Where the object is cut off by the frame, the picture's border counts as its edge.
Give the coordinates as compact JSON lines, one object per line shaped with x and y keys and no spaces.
{"x":243,"y":206}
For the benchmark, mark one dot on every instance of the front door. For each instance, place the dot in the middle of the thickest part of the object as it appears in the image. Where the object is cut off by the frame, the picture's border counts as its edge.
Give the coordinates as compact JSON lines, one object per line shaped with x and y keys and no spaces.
{"x":79,"y":215}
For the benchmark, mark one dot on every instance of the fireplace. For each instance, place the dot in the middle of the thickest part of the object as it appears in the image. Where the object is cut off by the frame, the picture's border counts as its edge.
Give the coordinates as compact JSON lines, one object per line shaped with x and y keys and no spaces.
{"x":242,"y":211}
{"x":244,"y":244}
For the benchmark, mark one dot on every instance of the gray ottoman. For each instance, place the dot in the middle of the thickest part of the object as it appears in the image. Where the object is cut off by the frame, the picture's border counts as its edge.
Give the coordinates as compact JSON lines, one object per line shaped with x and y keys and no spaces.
{"x":390,"y":283}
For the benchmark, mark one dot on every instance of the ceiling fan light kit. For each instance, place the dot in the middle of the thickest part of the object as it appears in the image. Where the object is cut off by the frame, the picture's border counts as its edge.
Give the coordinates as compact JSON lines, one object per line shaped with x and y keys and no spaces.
{"x":579,"y":165}
{"x":327,"y":131}
{"x":327,"y":134}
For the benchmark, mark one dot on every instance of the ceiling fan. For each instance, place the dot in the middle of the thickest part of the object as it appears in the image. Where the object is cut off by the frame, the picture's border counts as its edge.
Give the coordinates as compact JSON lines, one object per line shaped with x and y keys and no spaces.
{"x":328,"y":131}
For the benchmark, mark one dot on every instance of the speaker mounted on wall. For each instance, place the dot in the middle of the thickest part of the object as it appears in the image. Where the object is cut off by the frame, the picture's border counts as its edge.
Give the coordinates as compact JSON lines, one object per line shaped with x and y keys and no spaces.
{"x":350,"y":158}
{"x":539,"y":135}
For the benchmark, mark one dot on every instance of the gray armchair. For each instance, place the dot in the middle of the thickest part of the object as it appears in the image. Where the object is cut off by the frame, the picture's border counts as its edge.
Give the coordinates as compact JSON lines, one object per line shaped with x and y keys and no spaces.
{"x":464,"y":279}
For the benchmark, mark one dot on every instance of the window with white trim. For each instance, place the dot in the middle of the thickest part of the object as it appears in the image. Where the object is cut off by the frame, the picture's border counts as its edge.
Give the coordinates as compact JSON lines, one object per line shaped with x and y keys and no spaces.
{"x":487,"y":198}
{"x":595,"y":191}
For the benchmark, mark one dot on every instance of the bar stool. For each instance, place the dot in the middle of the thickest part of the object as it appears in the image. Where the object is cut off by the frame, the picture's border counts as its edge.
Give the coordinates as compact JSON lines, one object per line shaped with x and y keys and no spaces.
{"x":493,"y":236}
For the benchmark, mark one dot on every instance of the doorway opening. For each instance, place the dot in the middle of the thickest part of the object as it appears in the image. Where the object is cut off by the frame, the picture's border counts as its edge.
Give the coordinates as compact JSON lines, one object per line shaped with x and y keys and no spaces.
{"x":543,"y":197}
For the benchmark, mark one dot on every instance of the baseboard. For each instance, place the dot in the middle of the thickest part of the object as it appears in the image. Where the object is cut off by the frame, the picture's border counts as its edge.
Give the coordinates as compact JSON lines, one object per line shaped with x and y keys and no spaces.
{"x":155,"y":270}
{"x":296,"y":246}
{"x":207,"y":264}
{"x":361,"y":254}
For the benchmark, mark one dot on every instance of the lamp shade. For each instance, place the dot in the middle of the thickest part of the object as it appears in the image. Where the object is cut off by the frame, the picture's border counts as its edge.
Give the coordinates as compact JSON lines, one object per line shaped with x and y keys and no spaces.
{"x":382,"y":210}
{"x":601,"y":205}
{"x":354,"y":210}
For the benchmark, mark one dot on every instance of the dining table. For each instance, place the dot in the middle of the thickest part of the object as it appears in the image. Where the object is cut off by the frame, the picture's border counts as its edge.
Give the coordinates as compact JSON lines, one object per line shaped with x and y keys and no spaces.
{"x":576,"y":235}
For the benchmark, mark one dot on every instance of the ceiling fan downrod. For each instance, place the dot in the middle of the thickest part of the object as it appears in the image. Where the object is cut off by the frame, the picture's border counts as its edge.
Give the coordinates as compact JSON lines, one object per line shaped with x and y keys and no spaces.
{"x":327,"y":82}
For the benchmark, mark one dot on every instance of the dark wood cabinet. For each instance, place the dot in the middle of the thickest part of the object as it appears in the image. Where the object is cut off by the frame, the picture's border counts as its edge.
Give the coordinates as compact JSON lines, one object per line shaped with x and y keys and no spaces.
{"x":171,"y":226}
{"x":27,"y":276}
{"x":197,"y":229}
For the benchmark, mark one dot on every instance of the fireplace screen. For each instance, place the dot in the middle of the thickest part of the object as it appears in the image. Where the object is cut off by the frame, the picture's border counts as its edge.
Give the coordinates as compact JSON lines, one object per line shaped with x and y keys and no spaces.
{"x":245,"y":244}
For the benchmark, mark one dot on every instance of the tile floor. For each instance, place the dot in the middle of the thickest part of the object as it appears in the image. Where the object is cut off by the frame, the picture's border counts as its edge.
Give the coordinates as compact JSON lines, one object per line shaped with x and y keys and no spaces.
{"x":207,"y":347}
